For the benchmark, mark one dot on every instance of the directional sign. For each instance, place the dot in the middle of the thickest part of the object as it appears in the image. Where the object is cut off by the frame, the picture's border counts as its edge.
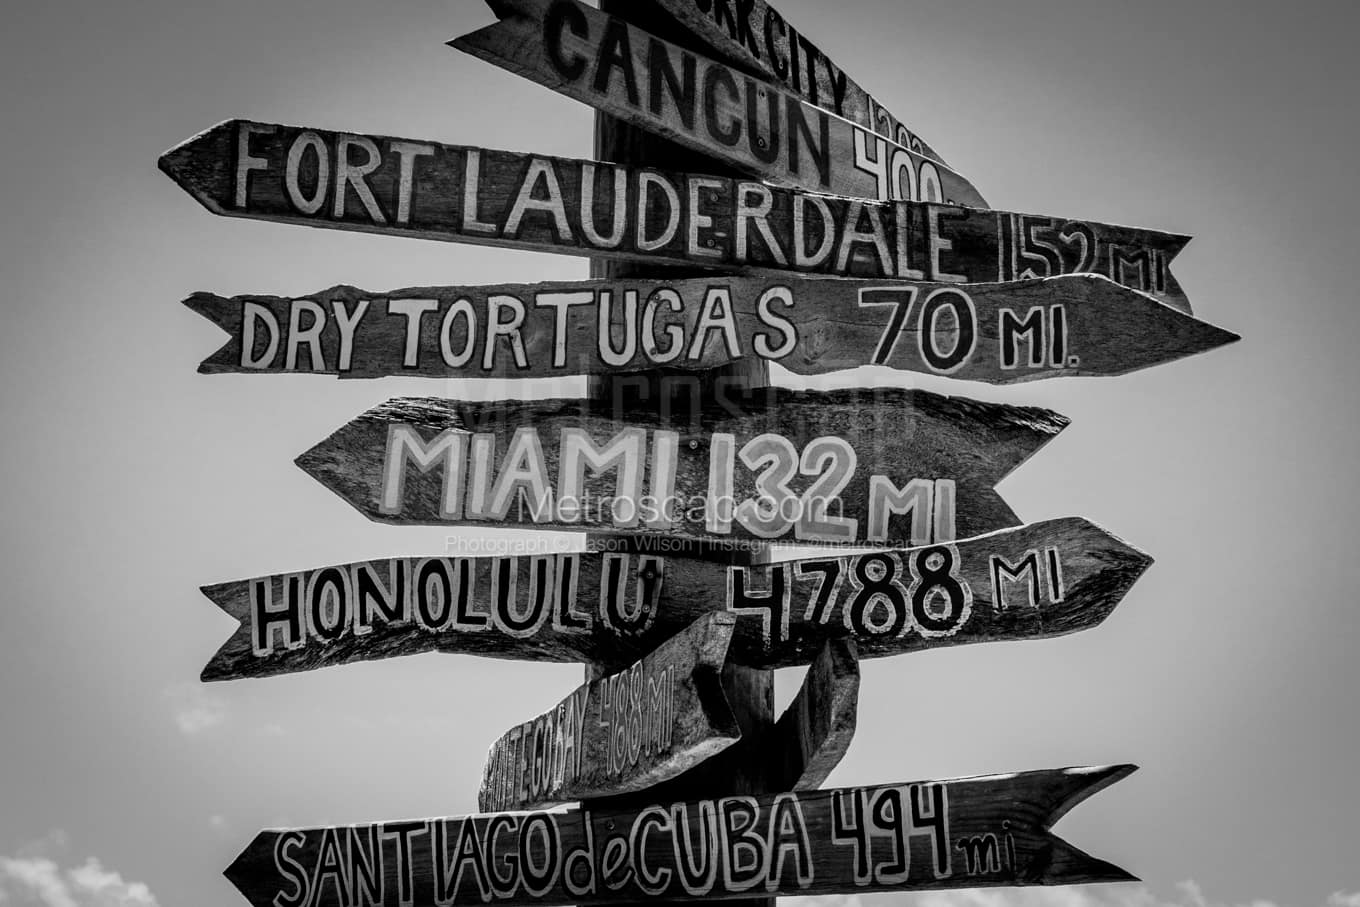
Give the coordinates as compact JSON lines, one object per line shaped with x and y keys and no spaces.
{"x":842,"y":466}
{"x":814,"y":732}
{"x":998,"y":333}
{"x":918,"y":836}
{"x":625,"y":732}
{"x":379,"y":184}
{"x":1042,"y":580}
{"x":707,"y":106}
{"x":754,"y":34}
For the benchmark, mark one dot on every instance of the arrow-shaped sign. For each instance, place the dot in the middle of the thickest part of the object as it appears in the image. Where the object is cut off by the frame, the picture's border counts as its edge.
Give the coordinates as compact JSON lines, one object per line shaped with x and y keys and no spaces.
{"x":998,"y":333}
{"x":707,"y":106}
{"x":379,"y":184}
{"x":771,"y":464}
{"x":756,"y":36}
{"x":1042,"y":580}
{"x":624,"y":732}
{"x":918,"y":836}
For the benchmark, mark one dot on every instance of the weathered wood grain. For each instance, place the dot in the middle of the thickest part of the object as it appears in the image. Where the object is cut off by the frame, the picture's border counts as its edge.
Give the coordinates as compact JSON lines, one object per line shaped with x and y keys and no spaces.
{"x":751,"y":124}
{"x":755,"y":36}
{"x":380,"y":184}
{"x":1041,"y":580}
{"x":624,"y":732}
{"x":771,"y":464}
{"x":813,"y":734}
{"x":1079,"y":325}
{"x":918,"y":836}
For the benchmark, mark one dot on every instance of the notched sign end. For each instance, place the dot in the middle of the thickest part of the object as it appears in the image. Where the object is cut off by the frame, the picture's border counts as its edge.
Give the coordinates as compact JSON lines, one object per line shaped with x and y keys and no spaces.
{"x":1060,"y":862}
{"x":226,"y":316}
{"x":231,"y":598}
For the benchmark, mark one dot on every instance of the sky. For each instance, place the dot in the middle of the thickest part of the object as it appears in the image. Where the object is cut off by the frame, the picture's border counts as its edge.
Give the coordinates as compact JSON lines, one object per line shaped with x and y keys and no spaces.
{"x":1228,"y":674}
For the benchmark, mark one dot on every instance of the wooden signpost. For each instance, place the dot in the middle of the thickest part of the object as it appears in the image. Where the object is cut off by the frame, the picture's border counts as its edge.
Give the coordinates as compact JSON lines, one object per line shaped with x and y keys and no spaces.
{"x":767,"y":464}
{"x":998,"y":333}
{"x":1041,"y":580}
{"x":919,"y":836}
{"x":755,"y":36}
{"x":702,"y":104}
{"x":624,"y":732}
{"x":759,"y":207}
{"x":379,"y":184}
{"x":739,"y":770}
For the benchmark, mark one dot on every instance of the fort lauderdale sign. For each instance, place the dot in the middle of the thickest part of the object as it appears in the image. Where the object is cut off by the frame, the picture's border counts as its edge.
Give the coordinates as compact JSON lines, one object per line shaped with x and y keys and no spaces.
{"x":406,"y":187}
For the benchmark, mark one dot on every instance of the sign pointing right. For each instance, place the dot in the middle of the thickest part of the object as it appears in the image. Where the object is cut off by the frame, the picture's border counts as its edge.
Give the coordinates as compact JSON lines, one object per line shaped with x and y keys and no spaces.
{"x":1042,"y":580}
{"x":919,"y":836}
{"x":999,"y":333}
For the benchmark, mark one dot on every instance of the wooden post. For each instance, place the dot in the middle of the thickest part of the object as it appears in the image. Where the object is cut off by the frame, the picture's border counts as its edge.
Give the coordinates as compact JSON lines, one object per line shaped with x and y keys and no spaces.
{"x":750,"y":692}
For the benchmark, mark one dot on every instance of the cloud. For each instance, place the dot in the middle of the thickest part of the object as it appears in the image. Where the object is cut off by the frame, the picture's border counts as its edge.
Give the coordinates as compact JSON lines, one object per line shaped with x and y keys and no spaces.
{"x":52,"y":845}
{"x":195,"y":710}
{"x":29,"y":879}
{"x":1344,"y":899}
{"x":38,"y":877}
{"x":108,"y":889}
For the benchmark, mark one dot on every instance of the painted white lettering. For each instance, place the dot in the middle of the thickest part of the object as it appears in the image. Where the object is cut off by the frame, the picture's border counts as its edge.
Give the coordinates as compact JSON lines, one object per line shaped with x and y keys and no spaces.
{"x":540,"y":171}
{"x":496,"y":329}
{"x":245,"y":161}
{"x":404,"y":445}
{"x":310,"y":335}
{"x":347,"y":322}
{"x":348,"y":175}
{"x":407,"y":152}
{"x":252,"y":316}
{"x":646,"y":210}
{"x":414,"y":310}
{"x":772,"y":319}
{"x":561,"y":304}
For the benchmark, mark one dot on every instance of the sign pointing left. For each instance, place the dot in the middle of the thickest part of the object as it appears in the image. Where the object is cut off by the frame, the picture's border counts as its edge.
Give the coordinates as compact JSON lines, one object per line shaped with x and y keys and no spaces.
{"x":750,"y":124}
{"x":405,"y":187}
